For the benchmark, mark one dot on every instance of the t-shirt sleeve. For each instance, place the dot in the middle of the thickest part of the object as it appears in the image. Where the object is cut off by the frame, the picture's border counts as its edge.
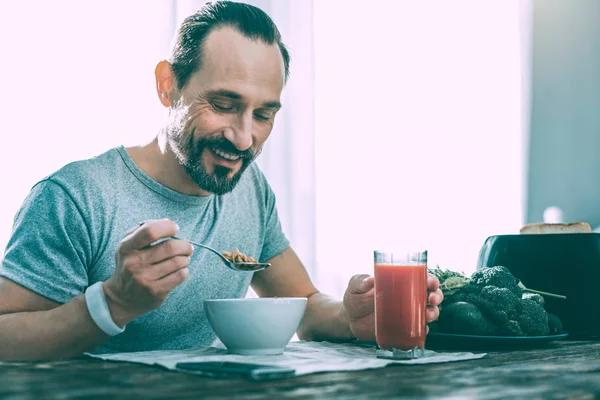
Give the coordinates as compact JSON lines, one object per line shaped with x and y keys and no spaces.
{"x":50,"y":247}
{"x":275,"y":241}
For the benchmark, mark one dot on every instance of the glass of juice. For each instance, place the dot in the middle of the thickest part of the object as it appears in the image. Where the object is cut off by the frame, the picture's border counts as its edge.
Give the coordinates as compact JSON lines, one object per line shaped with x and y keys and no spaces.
{"x":400,"y":303}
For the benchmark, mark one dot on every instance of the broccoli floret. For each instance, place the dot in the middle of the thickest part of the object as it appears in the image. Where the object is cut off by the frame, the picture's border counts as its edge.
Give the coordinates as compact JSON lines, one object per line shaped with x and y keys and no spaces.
{"x":490,"y":309}
{"x":502,"y":297}
{"x":532,"y":317}
{"x":535,"y":297}
{"x":511,"y":328}
{"x":496,"y":303}
{"x":465,"y":318}
{"x":496,"y":276}
{"x":493,"y":303}
{"x":554,"y":324}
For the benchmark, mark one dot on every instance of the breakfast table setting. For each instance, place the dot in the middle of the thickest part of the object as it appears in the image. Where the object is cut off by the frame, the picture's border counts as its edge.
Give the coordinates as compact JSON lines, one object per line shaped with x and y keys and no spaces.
{"x":523,"y":325}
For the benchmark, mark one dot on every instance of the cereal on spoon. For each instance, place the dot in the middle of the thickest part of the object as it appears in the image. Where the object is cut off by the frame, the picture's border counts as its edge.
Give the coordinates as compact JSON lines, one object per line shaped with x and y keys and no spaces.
{"x":238,"y":257}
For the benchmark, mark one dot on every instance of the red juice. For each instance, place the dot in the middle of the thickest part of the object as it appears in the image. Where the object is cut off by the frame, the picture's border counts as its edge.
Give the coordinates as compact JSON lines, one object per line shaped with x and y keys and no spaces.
{"x":400,"y":303}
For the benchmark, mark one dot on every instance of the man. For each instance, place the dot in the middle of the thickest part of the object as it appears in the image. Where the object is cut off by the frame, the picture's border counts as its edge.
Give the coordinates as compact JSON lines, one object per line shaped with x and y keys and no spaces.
{"x":93,"y":248}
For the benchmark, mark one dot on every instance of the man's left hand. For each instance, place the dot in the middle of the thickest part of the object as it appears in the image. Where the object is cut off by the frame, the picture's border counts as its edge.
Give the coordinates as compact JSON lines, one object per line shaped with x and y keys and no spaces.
{"x":359,"y":305}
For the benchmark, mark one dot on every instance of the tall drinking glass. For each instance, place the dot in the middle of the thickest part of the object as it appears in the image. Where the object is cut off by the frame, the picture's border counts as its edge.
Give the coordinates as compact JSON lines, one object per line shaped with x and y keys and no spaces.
{"x":400,"y":300}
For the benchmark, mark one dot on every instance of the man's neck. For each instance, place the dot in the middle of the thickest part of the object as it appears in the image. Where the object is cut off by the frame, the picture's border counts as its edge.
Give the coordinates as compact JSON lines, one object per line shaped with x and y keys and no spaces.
{"x":160,"y":163}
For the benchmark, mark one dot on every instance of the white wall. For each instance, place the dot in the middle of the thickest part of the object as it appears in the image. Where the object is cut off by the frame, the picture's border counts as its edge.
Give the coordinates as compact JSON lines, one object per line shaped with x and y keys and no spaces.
{"x":418,"y":130}
{"x":77,"y":78}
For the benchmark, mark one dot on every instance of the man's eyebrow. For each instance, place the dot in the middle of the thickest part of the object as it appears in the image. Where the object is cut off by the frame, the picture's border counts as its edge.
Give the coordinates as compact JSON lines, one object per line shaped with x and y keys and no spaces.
{"x":236,"y":96}
{"x":272,"y":104}
{"x":224,"y":93}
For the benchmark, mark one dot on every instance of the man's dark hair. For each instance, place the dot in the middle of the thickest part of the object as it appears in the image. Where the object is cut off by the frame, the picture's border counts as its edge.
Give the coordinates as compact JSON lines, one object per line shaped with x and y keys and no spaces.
{"x":250,"y":21}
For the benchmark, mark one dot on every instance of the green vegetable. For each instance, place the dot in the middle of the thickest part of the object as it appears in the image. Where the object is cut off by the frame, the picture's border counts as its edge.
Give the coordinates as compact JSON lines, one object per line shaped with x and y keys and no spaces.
{"x":496,"y":302}
{"x":452,"y":284}
{"x":496,"y":276}
{"x":491,"y":301}
{"x":535,"y":297}
{"x":443,"y":274}
{"x":511,"y":328}
{"x":554,"y":324}
{"x":532,"y":318}
{"x":465,"y":318}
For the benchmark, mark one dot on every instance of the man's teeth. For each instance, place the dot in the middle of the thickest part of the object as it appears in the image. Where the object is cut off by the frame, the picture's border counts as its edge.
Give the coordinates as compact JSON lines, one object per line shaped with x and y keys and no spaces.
{"x":227,"y":156}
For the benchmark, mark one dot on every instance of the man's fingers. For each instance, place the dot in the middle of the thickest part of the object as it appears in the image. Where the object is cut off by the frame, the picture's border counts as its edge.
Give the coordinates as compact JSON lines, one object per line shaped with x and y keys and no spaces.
{"x":433,"y":283}
{"x":360,"y":284}
{"x":364,"y":329}
{"x":172,"y":280}
{"x":359,"y":299}
{"x":435,"y":298}
{"x":148,"y":233}
{"x":165,"y":250}
{"x":163,"y":269}
{"x":432,"y":313}
{"x":129,"y":232}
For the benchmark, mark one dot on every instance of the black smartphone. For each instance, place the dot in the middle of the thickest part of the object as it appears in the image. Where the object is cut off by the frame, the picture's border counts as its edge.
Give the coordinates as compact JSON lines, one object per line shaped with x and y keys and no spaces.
{"x":228,"y":368}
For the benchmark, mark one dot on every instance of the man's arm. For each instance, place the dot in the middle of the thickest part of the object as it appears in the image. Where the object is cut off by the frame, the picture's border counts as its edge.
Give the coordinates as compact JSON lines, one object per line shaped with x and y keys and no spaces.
{"x":324,"y":319}
{"x":35,"y":328}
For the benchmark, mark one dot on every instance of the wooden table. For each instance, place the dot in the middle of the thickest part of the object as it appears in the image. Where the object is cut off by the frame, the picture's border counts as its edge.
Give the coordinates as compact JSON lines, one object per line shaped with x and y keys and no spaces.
{"x":566,"y":369}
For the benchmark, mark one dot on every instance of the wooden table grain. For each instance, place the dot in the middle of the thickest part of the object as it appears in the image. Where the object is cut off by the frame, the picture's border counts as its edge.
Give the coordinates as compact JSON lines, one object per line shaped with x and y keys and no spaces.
{"x":561,"y":370}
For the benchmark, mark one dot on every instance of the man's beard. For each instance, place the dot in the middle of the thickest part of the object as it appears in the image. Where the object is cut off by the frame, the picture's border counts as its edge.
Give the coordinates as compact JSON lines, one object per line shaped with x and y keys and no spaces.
{"x":190,"y":156}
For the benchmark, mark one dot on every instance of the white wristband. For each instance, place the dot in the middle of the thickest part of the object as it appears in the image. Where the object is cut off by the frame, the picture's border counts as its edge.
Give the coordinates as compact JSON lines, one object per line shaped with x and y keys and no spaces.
{"x":98,"y":308}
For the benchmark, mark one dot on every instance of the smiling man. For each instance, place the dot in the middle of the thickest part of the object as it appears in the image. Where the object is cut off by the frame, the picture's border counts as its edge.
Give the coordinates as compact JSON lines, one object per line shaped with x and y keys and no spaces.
{"x":92,"y":264}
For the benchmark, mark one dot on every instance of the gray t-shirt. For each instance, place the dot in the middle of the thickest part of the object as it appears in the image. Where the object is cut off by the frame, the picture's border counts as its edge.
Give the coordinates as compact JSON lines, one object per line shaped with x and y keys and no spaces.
{"x":66,"y":232}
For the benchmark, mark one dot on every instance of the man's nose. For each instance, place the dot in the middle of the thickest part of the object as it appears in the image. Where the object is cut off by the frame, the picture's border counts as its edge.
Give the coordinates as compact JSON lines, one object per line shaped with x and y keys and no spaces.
{"x":240,"y":133}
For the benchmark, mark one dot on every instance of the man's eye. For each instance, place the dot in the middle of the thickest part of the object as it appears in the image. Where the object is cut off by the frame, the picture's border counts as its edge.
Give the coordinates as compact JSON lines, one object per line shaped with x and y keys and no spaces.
{"x":263,"y":116}
{"x":222,"y":106}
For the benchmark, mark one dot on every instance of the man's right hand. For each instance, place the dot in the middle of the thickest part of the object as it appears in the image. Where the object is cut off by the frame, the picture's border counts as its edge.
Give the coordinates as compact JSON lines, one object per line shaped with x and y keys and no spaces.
{"x":146,"y":274}
{"x":143,"y":278}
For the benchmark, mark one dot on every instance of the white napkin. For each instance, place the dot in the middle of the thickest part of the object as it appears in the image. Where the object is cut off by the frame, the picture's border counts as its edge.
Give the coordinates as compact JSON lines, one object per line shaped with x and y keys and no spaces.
{"x":305,"y":357}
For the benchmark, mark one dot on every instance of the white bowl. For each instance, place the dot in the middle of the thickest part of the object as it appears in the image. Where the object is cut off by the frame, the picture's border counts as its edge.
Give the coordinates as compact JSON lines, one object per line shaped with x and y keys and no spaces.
{"x":255,"y":326}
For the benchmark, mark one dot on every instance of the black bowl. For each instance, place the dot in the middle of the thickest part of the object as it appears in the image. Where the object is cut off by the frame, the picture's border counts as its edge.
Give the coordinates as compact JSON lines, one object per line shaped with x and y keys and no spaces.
{"x":566,"y":264}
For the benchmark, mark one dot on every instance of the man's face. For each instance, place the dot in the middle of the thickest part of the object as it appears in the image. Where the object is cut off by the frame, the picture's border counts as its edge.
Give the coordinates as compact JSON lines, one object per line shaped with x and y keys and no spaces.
{"x":220,"y":120}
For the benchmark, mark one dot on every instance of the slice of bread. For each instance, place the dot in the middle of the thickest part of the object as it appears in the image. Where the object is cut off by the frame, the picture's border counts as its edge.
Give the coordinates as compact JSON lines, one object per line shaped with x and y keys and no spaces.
{"x":575,"y":227}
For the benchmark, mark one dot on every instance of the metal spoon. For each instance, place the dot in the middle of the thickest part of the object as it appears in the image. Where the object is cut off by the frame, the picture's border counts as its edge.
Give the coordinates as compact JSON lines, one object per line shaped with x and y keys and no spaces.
{"x":236,"y":266}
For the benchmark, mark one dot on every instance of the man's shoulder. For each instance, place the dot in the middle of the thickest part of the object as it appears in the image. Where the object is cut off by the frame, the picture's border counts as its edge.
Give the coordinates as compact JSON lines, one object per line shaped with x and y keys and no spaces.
{"x":91,"y":175}
{"x":86,"y":171}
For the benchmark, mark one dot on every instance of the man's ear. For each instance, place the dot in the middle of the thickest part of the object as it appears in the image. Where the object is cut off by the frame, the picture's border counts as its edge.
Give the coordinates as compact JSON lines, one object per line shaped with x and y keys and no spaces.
{"x":164,"y":82}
